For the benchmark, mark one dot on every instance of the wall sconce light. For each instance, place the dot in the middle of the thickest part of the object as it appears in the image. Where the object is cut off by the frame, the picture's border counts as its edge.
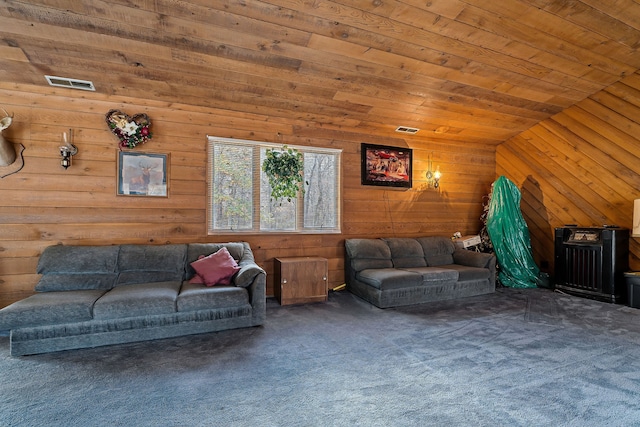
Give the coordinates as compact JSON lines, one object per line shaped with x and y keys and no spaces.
{"x":68,"y":150}
{"x":433,"y":177}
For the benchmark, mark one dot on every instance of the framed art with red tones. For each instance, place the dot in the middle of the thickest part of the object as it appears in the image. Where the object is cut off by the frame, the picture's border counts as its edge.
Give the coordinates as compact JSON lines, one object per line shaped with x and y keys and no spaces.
{"x":386,"y":166}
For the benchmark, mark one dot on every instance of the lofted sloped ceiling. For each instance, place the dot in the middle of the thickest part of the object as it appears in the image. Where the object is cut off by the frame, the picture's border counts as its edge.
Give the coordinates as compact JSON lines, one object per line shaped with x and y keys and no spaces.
{"x":472,"y":71}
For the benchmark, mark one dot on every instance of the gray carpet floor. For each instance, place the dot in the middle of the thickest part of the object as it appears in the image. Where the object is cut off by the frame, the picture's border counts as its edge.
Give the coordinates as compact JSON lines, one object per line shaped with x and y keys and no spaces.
{"x":529,"y":357}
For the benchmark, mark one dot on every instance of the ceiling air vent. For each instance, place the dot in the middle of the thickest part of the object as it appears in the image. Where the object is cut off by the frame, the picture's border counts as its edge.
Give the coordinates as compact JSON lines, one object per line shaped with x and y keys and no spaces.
{"x":405,"y":129}
{"x":70,"y":83}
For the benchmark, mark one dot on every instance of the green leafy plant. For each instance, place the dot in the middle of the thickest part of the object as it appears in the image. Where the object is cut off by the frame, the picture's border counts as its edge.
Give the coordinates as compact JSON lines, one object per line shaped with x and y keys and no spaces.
{"x":285,"y":170}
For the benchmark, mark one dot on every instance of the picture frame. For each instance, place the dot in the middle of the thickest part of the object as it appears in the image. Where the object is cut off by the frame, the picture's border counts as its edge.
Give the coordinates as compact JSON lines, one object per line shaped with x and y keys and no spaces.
{"x":143,"y":174}
{"x":386,"y":166}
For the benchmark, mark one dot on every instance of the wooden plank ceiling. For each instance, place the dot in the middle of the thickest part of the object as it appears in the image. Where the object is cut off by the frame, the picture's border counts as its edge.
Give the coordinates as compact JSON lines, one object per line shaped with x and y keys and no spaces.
{"x":473,"y":71}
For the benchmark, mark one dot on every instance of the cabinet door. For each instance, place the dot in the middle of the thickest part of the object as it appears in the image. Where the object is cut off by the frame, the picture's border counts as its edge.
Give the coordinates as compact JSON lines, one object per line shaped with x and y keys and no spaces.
{"x":301,"y":280}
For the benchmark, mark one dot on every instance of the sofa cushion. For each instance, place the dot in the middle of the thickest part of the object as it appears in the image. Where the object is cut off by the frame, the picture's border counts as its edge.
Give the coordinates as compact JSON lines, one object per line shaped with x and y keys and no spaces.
{"x":141,"y":299}
{"x":194,"y":297}
{"x":78,"y":259}
{"x":435,"y":274}
{"x":437,"y":250}
{"x":215,"y":269}
{"x":406,"y":252}
{"x":134,"y":277}
{"x":469,"y":273}
{"x":53,"y":282}
{"x":197,"y":250}
{"x":151,"y":263}
{"x":389,"y":278}
{"x":49,"y":308}
{"x":368,"y":254}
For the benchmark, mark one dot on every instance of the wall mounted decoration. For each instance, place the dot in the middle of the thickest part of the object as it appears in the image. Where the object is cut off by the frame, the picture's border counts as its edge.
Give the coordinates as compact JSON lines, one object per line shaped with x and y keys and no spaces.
{"x":11,"y":160}
{"x":143,"y":174}
{"x":386,"y":166}
{"x":131,"y":131}
{"x":67,"y":150}
{"x":433,"y":177}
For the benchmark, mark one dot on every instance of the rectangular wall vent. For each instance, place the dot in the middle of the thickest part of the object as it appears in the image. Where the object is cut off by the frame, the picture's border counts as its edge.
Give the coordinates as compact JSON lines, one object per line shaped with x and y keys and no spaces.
{"x":405,"y":129}
{"x":70,"y":83}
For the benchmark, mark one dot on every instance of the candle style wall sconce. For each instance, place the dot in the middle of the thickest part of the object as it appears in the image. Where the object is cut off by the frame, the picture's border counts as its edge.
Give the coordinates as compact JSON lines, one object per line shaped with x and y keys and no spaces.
{"x":433,"y":177}
{"x":68,"y":150}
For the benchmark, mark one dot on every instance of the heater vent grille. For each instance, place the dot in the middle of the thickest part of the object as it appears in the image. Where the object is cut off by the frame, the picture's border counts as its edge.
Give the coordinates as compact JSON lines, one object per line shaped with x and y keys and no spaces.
{"x":70,"y":83}
{"x":405,"y":129}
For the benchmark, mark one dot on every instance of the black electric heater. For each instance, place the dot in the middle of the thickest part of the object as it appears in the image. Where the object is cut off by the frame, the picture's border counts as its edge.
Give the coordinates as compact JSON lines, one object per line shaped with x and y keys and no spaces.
{"x":591,"y":262}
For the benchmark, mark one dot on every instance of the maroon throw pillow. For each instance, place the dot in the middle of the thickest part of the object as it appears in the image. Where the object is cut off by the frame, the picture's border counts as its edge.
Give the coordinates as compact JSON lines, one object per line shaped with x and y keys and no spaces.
{"x":215,"y":269}
{"x":196,"y":279}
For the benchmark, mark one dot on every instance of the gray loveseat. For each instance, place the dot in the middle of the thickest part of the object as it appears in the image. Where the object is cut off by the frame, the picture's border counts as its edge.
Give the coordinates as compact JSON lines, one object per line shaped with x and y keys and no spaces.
{"x":91,"y":296}
{"x":391,"y":272}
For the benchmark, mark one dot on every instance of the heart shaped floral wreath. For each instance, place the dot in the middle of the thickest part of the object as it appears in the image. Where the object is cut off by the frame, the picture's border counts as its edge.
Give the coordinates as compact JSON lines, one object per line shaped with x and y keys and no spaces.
{"x":130,"y":131}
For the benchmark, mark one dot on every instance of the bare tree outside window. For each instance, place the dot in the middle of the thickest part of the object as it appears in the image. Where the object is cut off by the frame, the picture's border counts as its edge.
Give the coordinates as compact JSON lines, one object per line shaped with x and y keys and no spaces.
{"x":232,"y":187}
{"x":320,"y":198}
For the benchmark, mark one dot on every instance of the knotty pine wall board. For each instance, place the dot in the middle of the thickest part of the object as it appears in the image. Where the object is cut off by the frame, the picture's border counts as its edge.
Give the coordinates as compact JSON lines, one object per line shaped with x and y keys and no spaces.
{"x":583,"y":165}
{"x":45,"y":205}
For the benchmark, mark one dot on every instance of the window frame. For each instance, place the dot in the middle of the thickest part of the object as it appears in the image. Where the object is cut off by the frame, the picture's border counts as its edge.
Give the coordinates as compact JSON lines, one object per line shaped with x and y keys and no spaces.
{"x":257,"y":146}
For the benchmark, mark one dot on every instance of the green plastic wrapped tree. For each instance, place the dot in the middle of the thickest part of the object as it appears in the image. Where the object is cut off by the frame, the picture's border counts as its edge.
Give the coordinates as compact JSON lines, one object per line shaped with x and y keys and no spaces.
{"x":510,"y":238}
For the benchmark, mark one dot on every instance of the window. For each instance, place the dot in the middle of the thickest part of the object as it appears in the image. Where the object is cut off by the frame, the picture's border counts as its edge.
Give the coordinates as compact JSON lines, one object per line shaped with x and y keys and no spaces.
{"x":239,"y":192}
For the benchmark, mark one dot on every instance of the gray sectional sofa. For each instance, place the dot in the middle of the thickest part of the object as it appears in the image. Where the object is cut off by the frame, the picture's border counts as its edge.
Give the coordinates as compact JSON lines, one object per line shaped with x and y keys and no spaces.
{"x":389,"y":272}
{"x":91,"y":296}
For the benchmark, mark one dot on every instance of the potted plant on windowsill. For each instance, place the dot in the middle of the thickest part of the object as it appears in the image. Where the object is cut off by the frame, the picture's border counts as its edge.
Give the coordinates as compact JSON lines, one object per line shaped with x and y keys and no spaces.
{"x":285,"y":170}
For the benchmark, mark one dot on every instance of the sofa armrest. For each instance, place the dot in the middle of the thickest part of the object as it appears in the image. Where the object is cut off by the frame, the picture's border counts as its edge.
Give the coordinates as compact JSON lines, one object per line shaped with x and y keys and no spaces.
{"x":258,"y":297}
{"x":476,"y":259}
{"x":246,"y":275}
{"x":252,"y":277}
{"x":472,"y":258}
{"x":248,"y":268}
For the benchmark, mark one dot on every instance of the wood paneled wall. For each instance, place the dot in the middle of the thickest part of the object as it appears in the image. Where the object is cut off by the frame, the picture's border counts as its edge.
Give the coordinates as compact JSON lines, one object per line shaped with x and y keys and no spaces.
{"x":581,"y":166}
{"x":44,"y":204}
